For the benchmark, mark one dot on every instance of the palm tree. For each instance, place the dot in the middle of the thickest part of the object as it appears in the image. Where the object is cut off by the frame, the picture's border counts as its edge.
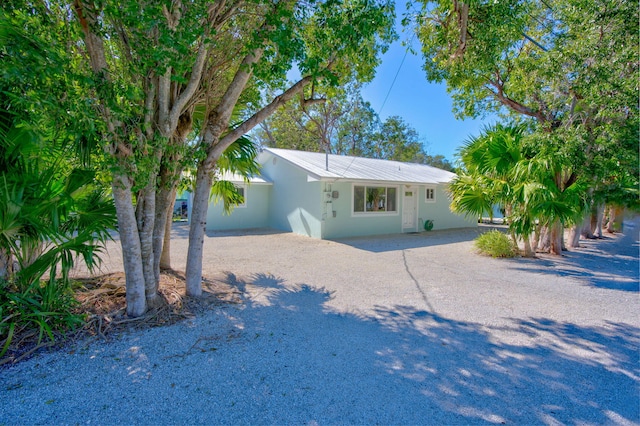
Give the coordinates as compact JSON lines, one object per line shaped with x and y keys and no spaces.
{"x":239,"y":159}
{"x":498,"y":170}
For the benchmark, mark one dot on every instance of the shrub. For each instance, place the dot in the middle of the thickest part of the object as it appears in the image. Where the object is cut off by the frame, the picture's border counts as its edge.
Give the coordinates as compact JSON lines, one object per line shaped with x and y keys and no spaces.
{"x":39,"y":312}
{"x":496,"y":244}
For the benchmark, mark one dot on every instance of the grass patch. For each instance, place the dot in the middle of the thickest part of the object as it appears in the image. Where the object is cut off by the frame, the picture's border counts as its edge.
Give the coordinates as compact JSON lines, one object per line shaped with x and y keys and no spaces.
{"x":496,"y":244}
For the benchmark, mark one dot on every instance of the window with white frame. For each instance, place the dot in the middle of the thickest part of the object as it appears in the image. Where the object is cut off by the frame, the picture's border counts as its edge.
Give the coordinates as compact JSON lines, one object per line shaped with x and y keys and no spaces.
{"x":374,"y":199}
{"x":430,"y":194}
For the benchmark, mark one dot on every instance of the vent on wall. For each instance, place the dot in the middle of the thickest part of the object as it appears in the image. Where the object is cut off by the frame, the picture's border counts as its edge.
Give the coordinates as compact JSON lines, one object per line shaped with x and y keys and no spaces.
{"x":335,"y":194}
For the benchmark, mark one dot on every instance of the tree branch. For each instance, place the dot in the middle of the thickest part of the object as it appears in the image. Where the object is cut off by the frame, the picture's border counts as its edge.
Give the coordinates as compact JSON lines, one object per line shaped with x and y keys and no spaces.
{"x":149,"y":103}
{"x":93,"y":43}
{"x":194,"y":82}
{"x":259,"y":117}
{"x":164,"y":88}
{"x":500,"y":96}
{"x":462,"y":9}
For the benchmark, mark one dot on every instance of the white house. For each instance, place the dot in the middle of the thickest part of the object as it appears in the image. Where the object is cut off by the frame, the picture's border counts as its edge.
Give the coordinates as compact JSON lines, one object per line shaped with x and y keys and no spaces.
{"x":334,"y":196}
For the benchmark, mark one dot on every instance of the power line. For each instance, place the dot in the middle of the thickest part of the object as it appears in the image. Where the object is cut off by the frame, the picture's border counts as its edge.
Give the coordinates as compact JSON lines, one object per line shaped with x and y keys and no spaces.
{"x":406,"y":52}
{"x":396,"y":76}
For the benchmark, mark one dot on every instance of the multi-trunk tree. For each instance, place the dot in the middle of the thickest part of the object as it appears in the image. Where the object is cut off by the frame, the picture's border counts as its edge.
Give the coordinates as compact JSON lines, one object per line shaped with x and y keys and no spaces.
{"x":153,"y":66}
{"x":569,"y":68}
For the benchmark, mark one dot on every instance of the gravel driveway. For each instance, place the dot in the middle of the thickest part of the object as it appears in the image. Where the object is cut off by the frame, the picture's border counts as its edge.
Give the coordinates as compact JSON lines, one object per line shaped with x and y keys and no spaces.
{"x":402,"y":329}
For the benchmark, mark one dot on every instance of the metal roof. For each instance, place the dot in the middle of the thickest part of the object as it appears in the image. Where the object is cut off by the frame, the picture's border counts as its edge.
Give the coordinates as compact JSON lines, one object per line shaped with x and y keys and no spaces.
{"x":359,"y":168}
{"x":236,"y":178}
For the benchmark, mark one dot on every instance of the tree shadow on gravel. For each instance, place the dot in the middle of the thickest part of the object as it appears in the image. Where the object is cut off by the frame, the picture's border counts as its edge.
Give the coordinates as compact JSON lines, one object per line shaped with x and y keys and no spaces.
{"x":612,"y":262}
{"x":393,"y":242}
{"x":400,"y":365}
{"x":283,"y":356}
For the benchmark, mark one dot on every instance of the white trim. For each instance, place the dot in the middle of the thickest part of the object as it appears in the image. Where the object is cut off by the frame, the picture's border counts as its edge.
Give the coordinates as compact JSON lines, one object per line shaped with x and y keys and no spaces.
{"x":426,"y":194}
{"x":396,"y":212}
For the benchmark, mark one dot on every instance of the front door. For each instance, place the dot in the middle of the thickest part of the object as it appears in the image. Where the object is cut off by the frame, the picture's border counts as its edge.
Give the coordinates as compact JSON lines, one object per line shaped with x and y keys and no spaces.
{"x":409,"y":209}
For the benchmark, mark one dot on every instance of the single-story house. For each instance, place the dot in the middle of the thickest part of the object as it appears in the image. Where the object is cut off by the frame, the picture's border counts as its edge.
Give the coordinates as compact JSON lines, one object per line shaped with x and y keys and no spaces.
{"x":333,"y":196}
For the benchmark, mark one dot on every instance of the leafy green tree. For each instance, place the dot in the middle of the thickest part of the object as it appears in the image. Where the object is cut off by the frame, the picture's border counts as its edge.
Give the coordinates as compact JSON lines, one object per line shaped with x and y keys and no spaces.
{"x":341,"y":121}
{"x":151,"y":66}
{"x":357,"y":129}
{"x":398,"y":141}
{"x":347,"y":125}
{"x":335,"y":42}
{"x":440,"y":162}
{"x":568,"y":67}
{"x":52,"y":210}
{"x":294,"y":126}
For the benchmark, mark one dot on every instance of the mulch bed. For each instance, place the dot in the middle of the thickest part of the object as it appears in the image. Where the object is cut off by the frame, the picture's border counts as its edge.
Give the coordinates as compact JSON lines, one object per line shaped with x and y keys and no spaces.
{"x":103,"y":304}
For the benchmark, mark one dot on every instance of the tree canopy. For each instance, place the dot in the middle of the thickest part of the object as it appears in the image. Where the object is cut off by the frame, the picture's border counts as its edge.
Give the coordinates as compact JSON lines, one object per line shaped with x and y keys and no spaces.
{"x":566,"y":68}
{"x":151,"y":75}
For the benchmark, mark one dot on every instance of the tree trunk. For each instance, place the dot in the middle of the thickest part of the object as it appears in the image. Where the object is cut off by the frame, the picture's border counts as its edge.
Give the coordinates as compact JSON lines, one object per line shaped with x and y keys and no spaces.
{"x":587,"y":230}
{"x":528,"y":251}
{"x":556,"y":238}
{"x":615,"y":219}
{"x":611,"y":217}
{"x":170,"y":171}
{"x":582,"y":228}
{"x":574,"y":236}
{"x":162,"y":228}
{"x":165,"y":257}
{"x":198,"y":223}
{"x":146,"y":225}
{"x":536,"y":238}
{"x":130,"y":241}
{"x":215,"y":145}
{"x":544,"y":238}
{"x":596,"y":221}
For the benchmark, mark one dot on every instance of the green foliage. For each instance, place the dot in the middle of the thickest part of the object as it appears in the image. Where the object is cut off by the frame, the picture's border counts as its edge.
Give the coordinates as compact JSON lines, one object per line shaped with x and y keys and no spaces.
{"x":568,"y":69}
{"x":50,"y":213}
{"x":52,"y":210}
{"x":497,"y":169}
{"x":238,"y":160}
{"x":496,"y":244}
{"x":47,"y":309}
{"x":349,"y":126}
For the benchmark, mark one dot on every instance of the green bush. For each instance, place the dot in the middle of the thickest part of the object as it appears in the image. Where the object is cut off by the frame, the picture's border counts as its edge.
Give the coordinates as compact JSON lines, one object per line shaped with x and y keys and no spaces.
{"x":496,"y":244}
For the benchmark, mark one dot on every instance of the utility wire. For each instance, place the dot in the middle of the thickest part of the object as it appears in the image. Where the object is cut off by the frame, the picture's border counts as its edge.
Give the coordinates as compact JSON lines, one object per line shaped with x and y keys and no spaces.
{"x":395,"y":77}
{"x":387,"y":96}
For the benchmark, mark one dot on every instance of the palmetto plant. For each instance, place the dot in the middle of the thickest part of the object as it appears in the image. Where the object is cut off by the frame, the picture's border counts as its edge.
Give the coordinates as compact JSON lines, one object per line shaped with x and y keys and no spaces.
{"x":239,"y":158}
{"x":51,"y":213}
{"x":497,"y":170}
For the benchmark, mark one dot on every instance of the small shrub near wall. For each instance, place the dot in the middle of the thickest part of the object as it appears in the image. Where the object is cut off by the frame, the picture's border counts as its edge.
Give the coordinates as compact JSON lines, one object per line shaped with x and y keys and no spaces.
{"x":496,"y":244}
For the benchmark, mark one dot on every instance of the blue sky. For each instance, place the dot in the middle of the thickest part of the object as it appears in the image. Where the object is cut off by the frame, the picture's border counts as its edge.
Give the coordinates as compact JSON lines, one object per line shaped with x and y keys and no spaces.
{"x":424,"y":106}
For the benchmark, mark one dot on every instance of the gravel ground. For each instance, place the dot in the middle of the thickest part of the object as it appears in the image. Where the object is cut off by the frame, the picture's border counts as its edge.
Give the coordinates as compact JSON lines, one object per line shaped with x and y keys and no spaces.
{"x":402,"y":329}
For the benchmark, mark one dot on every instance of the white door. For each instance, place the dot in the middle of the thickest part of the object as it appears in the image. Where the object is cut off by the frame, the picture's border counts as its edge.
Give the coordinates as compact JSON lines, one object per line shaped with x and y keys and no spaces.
{"x":409,"y":209}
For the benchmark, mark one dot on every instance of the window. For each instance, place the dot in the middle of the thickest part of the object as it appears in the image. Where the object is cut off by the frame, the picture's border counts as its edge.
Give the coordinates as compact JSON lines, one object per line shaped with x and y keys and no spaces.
{"x":374,"y":199}
{"x":242,"y":191}
{"x":430,"y":195}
